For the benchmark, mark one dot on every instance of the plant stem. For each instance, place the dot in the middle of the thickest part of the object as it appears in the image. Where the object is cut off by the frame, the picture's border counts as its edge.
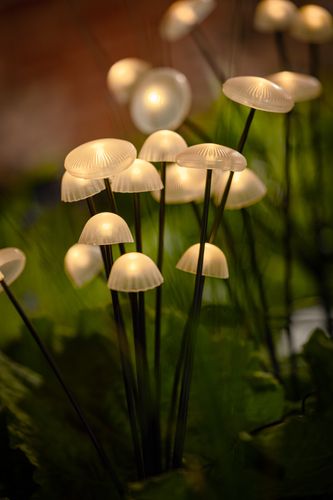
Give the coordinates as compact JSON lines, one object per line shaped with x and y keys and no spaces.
{"x":314,"y":59}
{"x":202,"y":43}
{"x":113,"y":207}
{"x":282,"y":51}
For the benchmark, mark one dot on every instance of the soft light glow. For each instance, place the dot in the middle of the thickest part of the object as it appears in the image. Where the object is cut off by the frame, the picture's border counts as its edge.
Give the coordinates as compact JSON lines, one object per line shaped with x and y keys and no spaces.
{"x":12,"y":263}
{"x":246,"y":189}
{"x":105,"y":228}
{"x":161,"y":100}
{"x":312,"y":24}
{"x":141,"y":176}
{"x":134,"y":272}
{"x":75,"y":188}
{"x":274,"y":15}
{"x":301,"y":87}
{"x":211,"y":156}
{"x":182,"y":15}
{"x":124,"y":75}
{"x":83,"y":263}
{"x":214,"y":265}
{"x":100,"y":159}
{"x":163,"y":145}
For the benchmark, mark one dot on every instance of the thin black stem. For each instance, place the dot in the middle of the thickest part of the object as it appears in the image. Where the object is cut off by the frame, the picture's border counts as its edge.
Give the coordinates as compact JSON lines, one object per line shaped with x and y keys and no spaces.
{"x":203,"y":45}
{"x":91,"y":206}
{"x":314,"y":59}
{"x":137,"y":221}
{"x":282,"y":51}
{"x":113,"y":207}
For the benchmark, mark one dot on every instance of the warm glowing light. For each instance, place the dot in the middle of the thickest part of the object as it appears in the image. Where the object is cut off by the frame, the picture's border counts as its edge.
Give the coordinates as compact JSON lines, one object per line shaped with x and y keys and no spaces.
{"x":312,"y":24}
{"x":211,"y":156}
{"x":274,"y":15}
{"x":214,"y":265}
{"x":301,"y":87}
{"x":163,"y":145}
{"x":75,"y":188}
{"x":182,"y":16}
{"x":12,"y":263}
{"x":246,"y":189}
{"x":124,"y":75}
{"x":105,"y":228}
{"x":134,"y":272}
{"x":83,"y":263}
{"x":141,"y":176}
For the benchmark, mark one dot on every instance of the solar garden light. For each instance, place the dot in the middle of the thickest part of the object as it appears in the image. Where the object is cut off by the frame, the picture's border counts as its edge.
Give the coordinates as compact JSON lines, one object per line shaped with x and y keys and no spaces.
{"x":124,"y":75}
{"x":82,"y":263}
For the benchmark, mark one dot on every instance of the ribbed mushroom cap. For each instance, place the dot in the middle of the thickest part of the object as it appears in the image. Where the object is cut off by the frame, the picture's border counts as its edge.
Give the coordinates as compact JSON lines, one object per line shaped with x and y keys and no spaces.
{"x":214,"y":265}
{"x":312,"y":24}
{"x":301,"y":87}
{"x":182,"y":185}
{"x":100,"y":158}
{"x":76,"y":188}
{"x":83,"y":263}
{"x":182,"y":15}
{"x":211,"y":156}
{"x":163,"y":145}
{"x":258,"y":93}
{"x":105,"y":228}
{"x":246,"y":189}
{"x":12,"y":263}
{"x":141,"y":176}
{"x":124,"y":75}
{"x":134,"y":272}
{"x":160,"y":100}
{"x":274,"y":15}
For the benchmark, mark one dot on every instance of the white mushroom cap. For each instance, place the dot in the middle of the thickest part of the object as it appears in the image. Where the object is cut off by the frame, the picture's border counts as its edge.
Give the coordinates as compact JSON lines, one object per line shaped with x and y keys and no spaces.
{"x":312,"y":24}
{"x":301,"y":87}
{"x":246,"y":189}
{"x":160,"y":100}
{"x":274,"y":15}
{"x":100,"y":159}
{"x":258,"y":93}
{"x":163,"y":145}
{"x":214,"y":264}
{"x":105,"y":228}
{"x":124,"y":75}
{"x":134,"y":272}
{"x":12,"y":263}
{"x":211,"y":156}
{"x":141,"y":176}
{"x":83,"y":263}
{"x":182,"y":15}
{"x":76,"y":188}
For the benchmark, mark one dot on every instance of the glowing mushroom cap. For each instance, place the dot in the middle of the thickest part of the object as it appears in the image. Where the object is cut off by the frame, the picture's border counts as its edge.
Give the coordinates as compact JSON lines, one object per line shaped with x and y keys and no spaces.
{"x":134,"y":272}
{"x":258,"y":93}
{"x":312,"y":24}
{"x":246,"y":189}
{"x":214,"y":264}
{"x":211,"y":156}
{"x":83,"y":263}
{"x":160,"y":100}
{"x":76,"y":188}
{"x":274,"y":15}
{"x":100,"y":159}
{"x":105,"y":228}
{"x":301,"y":87}
{"x":124,"y":75}
{"x":163,"y":145}
{"x":141,"y":176}
{"x":12,"y":263}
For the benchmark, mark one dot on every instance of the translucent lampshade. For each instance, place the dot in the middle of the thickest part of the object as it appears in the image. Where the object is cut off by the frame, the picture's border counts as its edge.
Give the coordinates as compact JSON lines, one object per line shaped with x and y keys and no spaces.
{"x":75,"y":188}
{"x":134,"y":272}
{"x":141,"y":176}
{"x":246,"y":189}
{"x":214,"y":265}
{"x":12,"y":263}
{"x":160,"y":100}
{"x":163,"y":145}
{"x":105,"y":228}
{"x":83,"y":263}
{"x":182,"y":185}
{"x":124,"y":75}
{"x":301,"y":87}
{"x":274,"y":15}
{"x":258,"y":93}
{"x":211,"y":156}
{"x":312,"y":24}
{"x":100,"y":159}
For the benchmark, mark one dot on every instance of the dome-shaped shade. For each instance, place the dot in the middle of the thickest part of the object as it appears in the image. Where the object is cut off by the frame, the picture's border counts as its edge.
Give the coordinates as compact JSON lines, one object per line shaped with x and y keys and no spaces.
{"x":301,"y":87}
{"x":312,"y":24}
{"x":211,"y":156}
{"x":124,"y":75}
{"x":246,"y":189}
{"x":105,"y":228}
{"x":258,"y":93}
{"x":100,"y":159}
{"x":76,"y":188}
{"x":12,"y":263}
{"x":163,"y":145}
{"x":83,"y":263}
{"x":134,"y":272}
{"x":214,"y":265}
{"x":161,"y":100}
{"x":182,"y":15}
{"x":182,"y":185}
{"x":274,"y":15}
{"x":141,"y":176}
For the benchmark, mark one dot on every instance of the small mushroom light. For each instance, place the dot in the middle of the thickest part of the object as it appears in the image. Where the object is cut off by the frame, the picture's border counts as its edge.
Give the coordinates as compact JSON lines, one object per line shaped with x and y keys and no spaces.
{"x":214,"y":263}
{"x":124,"y":75}
{"x":211,"y":156}
{"x":83,"y":263}
{"x":274,"y":15}
{"x":76,"y":188}
{"x":12,"y":264}
{"x":246,"y":189}
{"x":300,"y":86}
{"x":134,"y":272}
{"x":312,"y":24}
{"x":162,"y":146}
{"x":105,"y":228}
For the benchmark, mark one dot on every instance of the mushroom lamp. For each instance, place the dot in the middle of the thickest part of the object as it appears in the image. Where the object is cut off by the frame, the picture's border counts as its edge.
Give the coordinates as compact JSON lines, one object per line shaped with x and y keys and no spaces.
{"x":134,"y":272}
{"x":214,"y":263}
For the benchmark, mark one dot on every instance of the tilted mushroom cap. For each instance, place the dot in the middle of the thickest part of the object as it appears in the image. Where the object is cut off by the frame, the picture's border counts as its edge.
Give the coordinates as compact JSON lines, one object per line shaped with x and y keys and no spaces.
{"x":160,"y":100}
{"x":12,"y":263}
{"x":76,"y":188}
{"x":214,"y":264}
{"x":124,"y":75}
{"x":100,"y":159}
{"x":134,"y":272}
{"x":274,"y":15}
{"x":163,"y":145}
{"x":246,"y":189}
{"x":312,"y":24}
{"x":105,"y":228}
{"x":258,"y":93}
{"x":210,"y":156}
{"x":141,"y":176}
{"x":301,"y":87}
{"x":182,"y":15}
{"x":83,"y":263}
